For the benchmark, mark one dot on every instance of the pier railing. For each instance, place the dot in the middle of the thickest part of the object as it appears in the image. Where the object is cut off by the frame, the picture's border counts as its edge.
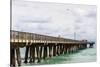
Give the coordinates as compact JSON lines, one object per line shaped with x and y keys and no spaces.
{"x":18,"y":36}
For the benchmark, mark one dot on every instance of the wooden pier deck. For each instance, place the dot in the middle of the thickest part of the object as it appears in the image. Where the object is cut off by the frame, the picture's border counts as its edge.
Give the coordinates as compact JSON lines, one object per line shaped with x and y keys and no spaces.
{"x":41,"y":46}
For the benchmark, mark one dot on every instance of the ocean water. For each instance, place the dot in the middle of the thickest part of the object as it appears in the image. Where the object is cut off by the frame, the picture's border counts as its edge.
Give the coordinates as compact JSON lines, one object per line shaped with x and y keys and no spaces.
{"x":81,"y":56}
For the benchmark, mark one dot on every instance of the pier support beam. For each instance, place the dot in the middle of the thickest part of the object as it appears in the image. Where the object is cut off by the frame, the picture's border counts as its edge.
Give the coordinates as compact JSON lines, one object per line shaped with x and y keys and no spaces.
{"x":26,"y":54}
{"x":38,"y":47}
{"x":77,"y":47}
{"x":69,"y":48}
{"x":33,"y":56}
{"x":58,"y":49}
{"x":31,"y":53}
{"x":54,"y":50}
{"x":18,"y":56}
{"x":45,"y":51}
{"x":12,"y":56}
{"x":50,"y":50}
{"x":80,"y":46}
{"x":64,"y":48}
{"x":41,"y":50}
{"x":91,"y":45}
{"x":85,"y":46}
{"x":72,"y":48}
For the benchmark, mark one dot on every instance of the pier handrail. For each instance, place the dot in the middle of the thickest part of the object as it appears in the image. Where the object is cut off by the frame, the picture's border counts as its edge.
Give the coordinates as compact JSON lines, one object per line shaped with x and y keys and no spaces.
{"x":19,"y":35}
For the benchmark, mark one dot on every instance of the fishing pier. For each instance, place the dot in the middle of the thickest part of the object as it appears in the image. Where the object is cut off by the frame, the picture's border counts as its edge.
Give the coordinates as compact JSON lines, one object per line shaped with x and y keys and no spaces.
{"x":41,"y":46}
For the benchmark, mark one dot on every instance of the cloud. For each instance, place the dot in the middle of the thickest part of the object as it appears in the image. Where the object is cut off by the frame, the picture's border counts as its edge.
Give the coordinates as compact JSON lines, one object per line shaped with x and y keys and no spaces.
{"x":55,"y":19}
{"x":32,"y":19}
{"x":92,"y":14}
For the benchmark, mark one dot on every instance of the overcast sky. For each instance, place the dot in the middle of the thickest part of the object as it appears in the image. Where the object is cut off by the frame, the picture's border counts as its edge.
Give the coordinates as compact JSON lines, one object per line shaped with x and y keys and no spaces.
{"x":55,"y":19}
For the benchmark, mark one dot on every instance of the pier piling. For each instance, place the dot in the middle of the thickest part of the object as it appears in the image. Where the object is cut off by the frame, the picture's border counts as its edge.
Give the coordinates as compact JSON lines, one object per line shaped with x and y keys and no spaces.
{"x":31,"y":53}
{"x":54,"y":50}
{"x":50,"y":50}
{"x":26,"y":54}
{"x":38,"y":52}
{"x":18,"y":56}
{"x":91,"y":45}
{"x":45,"y":51}
{"x":12,"y":57}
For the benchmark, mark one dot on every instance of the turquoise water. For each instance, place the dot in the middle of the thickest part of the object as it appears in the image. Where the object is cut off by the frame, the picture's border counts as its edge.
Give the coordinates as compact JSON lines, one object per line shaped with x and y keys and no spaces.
{"x":86,"y":55}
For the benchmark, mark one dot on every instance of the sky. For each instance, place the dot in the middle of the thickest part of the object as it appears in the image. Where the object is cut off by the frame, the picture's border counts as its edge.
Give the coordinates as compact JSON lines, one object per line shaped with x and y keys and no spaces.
{"x":55,"y":19}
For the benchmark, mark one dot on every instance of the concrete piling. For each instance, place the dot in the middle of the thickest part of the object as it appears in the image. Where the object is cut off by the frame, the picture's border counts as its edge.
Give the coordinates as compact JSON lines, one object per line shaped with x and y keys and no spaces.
{"x":41,"y":50}
{"x":18,"y":56}
{"x":38,"y":52}
{"x":45,"y":51}
{"x":12,"y":56}
{"x":58,"y":49}
{"x":54,"y":50}
{"x":33,"y":52}
{"x":26,"y":54}
{"x":91,"y":45}
{"x":50,"y":50}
